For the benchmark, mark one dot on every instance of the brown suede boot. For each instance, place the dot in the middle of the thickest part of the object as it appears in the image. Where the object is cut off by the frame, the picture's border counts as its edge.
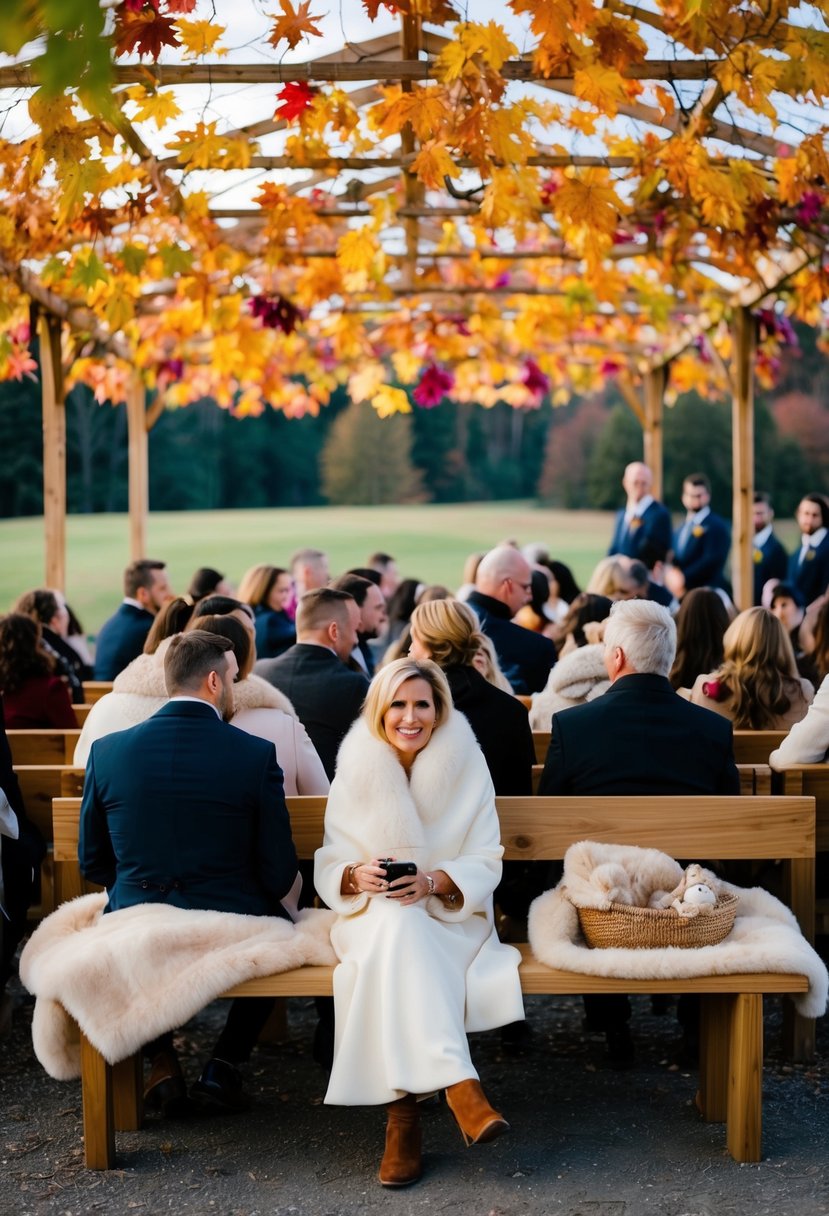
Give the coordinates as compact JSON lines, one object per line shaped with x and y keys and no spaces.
{"x":475,"y":1117}
{"x":401,"y":1164}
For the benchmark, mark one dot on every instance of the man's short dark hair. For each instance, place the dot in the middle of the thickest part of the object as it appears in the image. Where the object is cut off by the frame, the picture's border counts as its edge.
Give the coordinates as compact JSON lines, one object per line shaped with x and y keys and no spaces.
{"x":373,"y":576}
{"x":762,"y":496}
{"x":698,"y":479}
{"x":140,"y":574}
{"x":787,"y":591}
{"x":191,"y":657}
{"x":318,"y":608}
{"x":379,"y":561}
{"x":354,"y":585}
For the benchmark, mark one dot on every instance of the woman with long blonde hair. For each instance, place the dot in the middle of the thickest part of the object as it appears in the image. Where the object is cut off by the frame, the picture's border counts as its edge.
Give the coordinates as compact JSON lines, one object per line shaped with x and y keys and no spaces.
{"x":756,"y":685}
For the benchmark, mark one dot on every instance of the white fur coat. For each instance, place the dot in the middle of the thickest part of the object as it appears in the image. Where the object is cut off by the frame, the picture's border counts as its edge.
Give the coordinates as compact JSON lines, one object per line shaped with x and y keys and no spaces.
{"x":765,"y":936}
{"x":577,"y":677}
{"x":128,"y":976}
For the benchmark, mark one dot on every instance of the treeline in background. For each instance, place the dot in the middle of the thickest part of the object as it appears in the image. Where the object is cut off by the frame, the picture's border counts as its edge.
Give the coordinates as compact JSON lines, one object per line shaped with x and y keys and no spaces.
{"x":571,"y":456}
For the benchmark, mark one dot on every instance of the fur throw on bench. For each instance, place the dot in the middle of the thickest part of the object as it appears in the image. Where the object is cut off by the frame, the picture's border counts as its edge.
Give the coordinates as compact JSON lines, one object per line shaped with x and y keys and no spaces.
{"x":129,"y":976}
{"x":765,"y":936}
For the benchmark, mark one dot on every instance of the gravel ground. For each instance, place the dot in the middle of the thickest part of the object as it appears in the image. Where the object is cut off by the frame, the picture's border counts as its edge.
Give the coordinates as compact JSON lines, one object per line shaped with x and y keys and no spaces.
{"x":586,"y":1141}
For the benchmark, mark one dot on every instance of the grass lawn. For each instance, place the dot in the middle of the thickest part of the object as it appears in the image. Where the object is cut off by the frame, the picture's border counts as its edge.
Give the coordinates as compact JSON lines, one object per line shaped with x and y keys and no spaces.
{"x":430,"y":543}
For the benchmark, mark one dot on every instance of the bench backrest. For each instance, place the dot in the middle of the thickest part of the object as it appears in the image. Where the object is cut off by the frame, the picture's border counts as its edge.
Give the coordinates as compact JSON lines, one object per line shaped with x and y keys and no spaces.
{"x":812,"y":780}
{"x":43,"y":746}
{"x":750,"y":746}
{"x":93,"y":690}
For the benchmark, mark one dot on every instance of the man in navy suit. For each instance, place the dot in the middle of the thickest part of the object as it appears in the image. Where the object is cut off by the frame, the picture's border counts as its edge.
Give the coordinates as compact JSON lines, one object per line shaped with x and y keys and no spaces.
{"x":770,"y":558}
{"x":186,"y":810}
{"x":121,"y":639}
{"x":502,"y":586}
{"x":643,"y":524}
{"x":809,"y":566}
{"x":640,"y":737}
{"x":701,"y":545}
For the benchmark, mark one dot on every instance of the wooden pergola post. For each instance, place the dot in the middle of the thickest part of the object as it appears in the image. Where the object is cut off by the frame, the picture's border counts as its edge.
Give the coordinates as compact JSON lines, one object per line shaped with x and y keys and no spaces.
{"x":54,"y":450}
{"x":139,"y":493}
{"x":742,"y":443}
{"x":656,"y":381}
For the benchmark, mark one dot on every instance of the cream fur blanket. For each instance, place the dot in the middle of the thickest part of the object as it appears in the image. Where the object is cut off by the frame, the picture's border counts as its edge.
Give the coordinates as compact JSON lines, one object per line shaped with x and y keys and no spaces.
{"x":765,"y":936}
{"x":129,"y":976}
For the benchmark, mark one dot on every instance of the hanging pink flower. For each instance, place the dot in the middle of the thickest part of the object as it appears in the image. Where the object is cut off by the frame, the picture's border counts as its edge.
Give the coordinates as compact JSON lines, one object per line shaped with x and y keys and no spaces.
{"x":609,"y":367}
{"x":809,"y":208}
{"x":433,"y":386}
{"x":275,"y":312}
{"x":535,"y":380}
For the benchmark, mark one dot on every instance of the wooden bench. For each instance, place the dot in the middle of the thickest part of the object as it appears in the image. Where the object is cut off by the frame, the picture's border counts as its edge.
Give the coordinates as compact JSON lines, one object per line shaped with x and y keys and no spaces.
{"x":81,"y":713}
{"x":812,"y":780}
{"x":750,"y":746}
{"x":43,"y":746}
{"x":536,"y":829}
{"x":40,"y":784}
{"x":93,"y":690}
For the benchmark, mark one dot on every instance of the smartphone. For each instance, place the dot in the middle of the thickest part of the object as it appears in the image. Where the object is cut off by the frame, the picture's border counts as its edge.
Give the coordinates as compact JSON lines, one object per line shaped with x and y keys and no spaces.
{"x":398,"y":869}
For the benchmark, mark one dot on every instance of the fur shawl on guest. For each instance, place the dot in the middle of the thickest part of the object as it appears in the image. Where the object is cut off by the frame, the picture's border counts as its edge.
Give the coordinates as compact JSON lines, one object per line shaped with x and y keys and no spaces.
{"x":765,"y":936}
{"x":139,"y":691}
{"x":129,"y":976}
{"x":577,"y":677}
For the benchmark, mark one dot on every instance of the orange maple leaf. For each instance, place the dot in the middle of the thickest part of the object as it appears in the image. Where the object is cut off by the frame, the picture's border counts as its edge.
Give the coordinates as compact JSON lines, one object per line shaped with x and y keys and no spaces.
{"x":294,"y":24}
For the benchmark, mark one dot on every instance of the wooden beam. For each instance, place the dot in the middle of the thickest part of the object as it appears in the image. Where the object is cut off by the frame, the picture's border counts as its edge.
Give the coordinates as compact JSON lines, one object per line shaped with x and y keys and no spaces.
{"x":653,"y":433}
{"x":54,"y":450}
{"x":742,"y":443}
{"x":138,"y":464}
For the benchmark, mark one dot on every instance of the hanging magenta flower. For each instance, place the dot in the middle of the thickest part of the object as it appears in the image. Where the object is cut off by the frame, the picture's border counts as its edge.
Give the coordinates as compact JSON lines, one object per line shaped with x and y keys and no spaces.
{"x":433,"y":386}
{"x":609,"y":367}
{"x":171,"y":369}
{"x":275,"y":312}
{"x":809,"y":208}
{"x":535,"y":380}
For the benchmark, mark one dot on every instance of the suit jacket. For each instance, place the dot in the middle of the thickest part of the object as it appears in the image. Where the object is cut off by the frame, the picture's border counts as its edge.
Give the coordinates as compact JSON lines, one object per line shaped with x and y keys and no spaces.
{"x":640,"y":738}
{"x":187,"y":810}
{"x":811,"y":577}
{"x":652,"y":531}
{"x":501,"y":725}
{"x":120,"y":640}
{"x":526,"y":658}
{"x":326,"y":695}
{"x":770,"y":561}
{"x":703,"y":559}
{"x":275,"y":632}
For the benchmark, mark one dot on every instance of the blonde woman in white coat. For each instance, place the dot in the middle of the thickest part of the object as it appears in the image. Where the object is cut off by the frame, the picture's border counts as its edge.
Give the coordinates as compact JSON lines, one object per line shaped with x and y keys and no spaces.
{"x":420,"y":962}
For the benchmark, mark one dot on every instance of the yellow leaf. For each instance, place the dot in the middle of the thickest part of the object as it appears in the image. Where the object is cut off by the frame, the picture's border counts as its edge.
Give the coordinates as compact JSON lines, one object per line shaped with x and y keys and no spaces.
{"x":367,"y":382}
{"x":451,"y":62}
{"x":357,"y":249}
{"x":200,"y":37}
{"x":158,"y":107}
{"x":390,"y":401}
{"x":406,"y":365}
{"x":433,"y":163}
{"x":602,"y":87}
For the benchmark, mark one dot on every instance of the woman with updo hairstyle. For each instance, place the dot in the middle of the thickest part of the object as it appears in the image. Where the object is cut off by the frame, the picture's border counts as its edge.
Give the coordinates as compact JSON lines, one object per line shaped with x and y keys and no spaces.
{"x":700,"y":632}
{"x":268,"y":590}
{"x":34,"y":696}
{"x":420,"y":963}
{"x":756,"y":685}
{"x":447,"y":632}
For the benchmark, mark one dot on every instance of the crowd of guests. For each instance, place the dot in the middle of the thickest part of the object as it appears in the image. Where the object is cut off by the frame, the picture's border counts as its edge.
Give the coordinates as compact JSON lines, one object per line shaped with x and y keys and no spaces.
{"x":410,"y":706}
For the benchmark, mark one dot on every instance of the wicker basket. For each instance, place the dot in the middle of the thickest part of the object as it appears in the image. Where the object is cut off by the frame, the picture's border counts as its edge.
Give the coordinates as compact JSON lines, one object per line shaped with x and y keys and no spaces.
{"x":652,"y":928}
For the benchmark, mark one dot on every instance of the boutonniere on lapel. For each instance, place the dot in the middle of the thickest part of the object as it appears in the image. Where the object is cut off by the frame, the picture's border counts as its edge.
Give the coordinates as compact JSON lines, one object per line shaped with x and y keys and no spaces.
{"x":634,"y":524}
{"x":698,"y":530}
{"x":810,"y":555}
{"x":758,"y":556}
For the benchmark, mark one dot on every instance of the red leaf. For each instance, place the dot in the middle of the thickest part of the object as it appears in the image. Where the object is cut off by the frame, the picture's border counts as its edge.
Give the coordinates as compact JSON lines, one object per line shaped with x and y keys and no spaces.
{"x":295,"y":98}
{"x":145,"y":32}
{"x":181,"y":6}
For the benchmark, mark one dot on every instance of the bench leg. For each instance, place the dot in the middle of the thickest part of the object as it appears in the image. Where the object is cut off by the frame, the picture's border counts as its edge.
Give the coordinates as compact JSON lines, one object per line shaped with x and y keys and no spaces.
{"x":745,"y":1078}
{"x":712,"y":1099}
{"x":128,"y":1093}
{"x":98,"y":1124}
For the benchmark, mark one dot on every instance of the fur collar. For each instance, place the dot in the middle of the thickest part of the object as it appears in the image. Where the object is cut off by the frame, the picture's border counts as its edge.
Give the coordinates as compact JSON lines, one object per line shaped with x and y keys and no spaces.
{"x":394,"y":808}
{"x":145,"y":678}
{"x":579,"y":676}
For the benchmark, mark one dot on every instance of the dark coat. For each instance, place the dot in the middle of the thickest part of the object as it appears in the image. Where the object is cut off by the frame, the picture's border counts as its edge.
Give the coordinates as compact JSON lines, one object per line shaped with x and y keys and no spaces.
{"x":500,"y":724}
{"x":189,"y":811}
{"x":640,"y":737}
{"x":703,"y":559}
{"x":120,"y":640}
{"x":21,"y":860}
{"x":326,"y":694}
{"x":526,"y":658}
{"x":42,"y":702}
{"x":70,"y":663}
{"x":652,"y":533}
{"x":275,"y":632}
{"x":770,"y":561}
{"x":811,"y":577}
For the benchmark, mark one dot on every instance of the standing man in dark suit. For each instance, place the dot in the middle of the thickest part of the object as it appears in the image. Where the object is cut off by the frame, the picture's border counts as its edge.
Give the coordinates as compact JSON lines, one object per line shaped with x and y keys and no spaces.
{"x":701,"y":545}
{"x":770,"y":558}
{"x":186,"y":810}
{"x":121,"y":639}
{"x":809,"y":566}
{"x":503,"y":586}
{"x":326,"y":694}
{"x":640,"y":737}
{"x":643,"y":524}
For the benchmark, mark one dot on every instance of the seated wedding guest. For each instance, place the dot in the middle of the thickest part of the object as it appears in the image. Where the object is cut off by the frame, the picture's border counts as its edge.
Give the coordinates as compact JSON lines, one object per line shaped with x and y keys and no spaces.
{"x":612,"y":578}
{"x":756,"y":685}
{"x":700,"y":628}
{"x":49,"y":608}
{"x":808,"y":740}
{"x":268,"y":590}
{"x":400,"y":648}
{"x":35,"y":697}
{"x":219,"y":605}
{"x":578,"y":627}
{"x":401,"y":607}
{"x":207,"y":581}
{"x":184,"y":811}
{"x":502,"y":586}
{"x":386,"y":567}
{"x":170,"y":619}
{"x":420,"y":962}
{"x":120,"y":639}
{"x":787,"y":604}
{"x":77,"y":639}
{"x":468,"y":575}
{"x":534,"y":615}
{"x":446,"y":631}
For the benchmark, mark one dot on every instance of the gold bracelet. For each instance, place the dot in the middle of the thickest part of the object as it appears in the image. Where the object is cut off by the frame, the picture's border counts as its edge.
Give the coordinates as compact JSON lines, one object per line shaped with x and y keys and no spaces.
{"x":431,"y":883}
{"x":351,"y":882}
